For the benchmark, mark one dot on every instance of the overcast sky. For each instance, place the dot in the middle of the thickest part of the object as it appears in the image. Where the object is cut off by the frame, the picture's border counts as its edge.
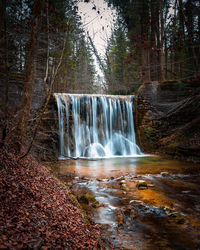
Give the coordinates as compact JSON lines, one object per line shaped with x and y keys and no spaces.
{"x":98,"y":20}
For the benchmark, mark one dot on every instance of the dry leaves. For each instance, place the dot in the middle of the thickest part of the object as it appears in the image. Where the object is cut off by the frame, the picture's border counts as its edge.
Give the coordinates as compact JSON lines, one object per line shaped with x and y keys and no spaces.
{"x":37,"y":212}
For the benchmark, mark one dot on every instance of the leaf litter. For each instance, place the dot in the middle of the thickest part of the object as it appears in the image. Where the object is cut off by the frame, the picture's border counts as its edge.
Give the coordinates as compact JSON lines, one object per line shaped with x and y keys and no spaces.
{"x":37,"y":212}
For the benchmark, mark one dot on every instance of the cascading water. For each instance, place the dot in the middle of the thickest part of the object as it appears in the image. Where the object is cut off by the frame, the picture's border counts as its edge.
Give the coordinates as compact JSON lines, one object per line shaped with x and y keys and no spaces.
{"x":95,"y":126}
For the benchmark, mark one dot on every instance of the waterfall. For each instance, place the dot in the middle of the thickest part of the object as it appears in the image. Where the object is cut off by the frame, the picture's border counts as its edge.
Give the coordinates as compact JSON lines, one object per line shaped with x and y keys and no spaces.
{"x":95,"y":126}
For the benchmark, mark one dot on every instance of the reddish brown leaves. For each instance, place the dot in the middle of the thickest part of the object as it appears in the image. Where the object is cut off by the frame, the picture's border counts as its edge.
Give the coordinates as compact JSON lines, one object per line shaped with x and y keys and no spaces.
{"x":35,"y":211}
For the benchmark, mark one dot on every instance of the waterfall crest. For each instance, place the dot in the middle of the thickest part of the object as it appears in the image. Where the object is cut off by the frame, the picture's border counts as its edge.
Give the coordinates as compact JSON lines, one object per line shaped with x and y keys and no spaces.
{"x":96,"y":126}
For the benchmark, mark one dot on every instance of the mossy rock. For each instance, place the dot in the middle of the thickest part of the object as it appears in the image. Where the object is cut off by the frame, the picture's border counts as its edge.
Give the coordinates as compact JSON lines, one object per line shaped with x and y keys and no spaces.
{"x":88,"y":198}
{"x":152,"y":134}
{"x":178,"y":218}
{"x":150,"y":137}
{"x":124,"y":188}
{"x":142,"y":185}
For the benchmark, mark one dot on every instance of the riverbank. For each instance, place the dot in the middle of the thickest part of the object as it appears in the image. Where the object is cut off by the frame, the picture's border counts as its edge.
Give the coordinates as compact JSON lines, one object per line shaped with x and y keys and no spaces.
{"x":36,"y":212}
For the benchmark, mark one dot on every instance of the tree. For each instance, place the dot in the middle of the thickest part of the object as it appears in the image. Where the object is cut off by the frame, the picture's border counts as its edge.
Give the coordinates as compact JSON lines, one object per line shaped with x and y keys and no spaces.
{"x":30,"y":72}
{"x":165,"y":36}
{"x":120,"y":65}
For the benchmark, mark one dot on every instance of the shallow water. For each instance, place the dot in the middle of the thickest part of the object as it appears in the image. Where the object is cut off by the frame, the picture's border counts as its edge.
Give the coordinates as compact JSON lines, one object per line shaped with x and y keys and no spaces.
{"x":163,"y":216}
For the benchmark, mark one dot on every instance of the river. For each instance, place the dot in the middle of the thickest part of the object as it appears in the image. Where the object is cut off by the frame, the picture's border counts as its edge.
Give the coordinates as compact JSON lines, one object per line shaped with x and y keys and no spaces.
{"x":161,"y":214}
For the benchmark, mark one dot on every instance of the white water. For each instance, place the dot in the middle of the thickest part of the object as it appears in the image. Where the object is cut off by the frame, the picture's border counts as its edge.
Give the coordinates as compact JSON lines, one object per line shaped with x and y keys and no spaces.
{"x":95,"y":126}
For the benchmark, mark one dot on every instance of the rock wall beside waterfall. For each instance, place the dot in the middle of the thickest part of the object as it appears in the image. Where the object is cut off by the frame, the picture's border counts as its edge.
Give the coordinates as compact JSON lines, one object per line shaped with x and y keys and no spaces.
{"x":168,"y":118}
{"x":46,"y":144}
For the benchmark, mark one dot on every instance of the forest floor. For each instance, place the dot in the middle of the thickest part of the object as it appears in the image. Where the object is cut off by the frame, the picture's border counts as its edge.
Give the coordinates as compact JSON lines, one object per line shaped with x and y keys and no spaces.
{"x":38,"y":212}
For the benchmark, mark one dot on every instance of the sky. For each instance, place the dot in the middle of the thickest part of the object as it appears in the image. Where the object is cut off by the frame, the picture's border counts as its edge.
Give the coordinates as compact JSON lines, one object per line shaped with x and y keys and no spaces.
{"x":98,"y":20}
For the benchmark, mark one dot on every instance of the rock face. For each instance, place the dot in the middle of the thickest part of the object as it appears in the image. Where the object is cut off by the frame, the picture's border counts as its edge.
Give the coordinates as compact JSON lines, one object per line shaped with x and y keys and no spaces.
{"x":46,"y":145}
{"x":168,"y":118}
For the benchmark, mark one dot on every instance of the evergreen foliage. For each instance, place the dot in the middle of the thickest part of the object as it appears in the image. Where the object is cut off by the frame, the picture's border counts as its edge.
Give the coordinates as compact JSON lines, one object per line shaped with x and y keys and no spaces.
{"x":164,"y":37}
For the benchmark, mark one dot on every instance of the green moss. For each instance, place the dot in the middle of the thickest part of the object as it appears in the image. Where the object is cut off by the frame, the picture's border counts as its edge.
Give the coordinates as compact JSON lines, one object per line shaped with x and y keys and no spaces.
{"x":150,"y":82}
{"x":95,"y":203}
{"x":90,"y":197}
{"x":153,"y":136}
{"x":141,"y":185}
{"x":74,"y":199}
{"x":80,"y":207}
{"x":178,"y":218}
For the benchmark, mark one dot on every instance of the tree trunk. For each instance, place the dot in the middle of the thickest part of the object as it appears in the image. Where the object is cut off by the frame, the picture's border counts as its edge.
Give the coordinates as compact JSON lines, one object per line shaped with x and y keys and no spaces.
{"x":161,"y":53}
{"x":47,"y":60}
{"x":30,"y":73}
{"x":4,"y":61}
{"x":173,"y":45}
{"x":153,"y":61}
{"x":47,"y":100}
{"x":190,"y":30}
{"x":144,"y":16}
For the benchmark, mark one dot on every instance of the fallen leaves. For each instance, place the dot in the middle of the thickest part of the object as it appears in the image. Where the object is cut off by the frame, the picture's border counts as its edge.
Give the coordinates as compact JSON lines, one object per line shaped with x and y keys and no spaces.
{"x":37,"y":212}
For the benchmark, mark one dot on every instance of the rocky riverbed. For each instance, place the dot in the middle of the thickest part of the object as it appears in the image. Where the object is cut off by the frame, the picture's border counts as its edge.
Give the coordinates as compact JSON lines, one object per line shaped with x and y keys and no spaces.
{"x":144,"y":203}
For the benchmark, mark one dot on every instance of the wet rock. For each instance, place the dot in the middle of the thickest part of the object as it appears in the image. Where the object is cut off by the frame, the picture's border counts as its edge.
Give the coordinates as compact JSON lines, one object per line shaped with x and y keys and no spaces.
{"x":135,"y":202}
{"x":178,"y":217}
{"x":84,"y":195}
{"x":119,"y":216}
{"x":96,"y":204}
{"x":167,"y":210}
{"x":142,"y":185}
{"x":120,"y":178}
{"x":180,"y":220}
{"x":164,"y":174}
{"x":186,"y":192}
{"x":174,"y":215}
{"x":122,"y":182}
{"x":84,"y":178}
{"x":99,"y":179}
{"x":124,"y":187}
{"x":127,"y":211}
{"x":83,"y":199}
{"x":151,"y":185}
{"x":88,"y":198}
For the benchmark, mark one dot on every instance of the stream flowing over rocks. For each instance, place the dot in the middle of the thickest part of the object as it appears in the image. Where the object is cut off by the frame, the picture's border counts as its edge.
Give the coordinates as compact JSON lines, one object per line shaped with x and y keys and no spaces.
{"x":140,"y":203}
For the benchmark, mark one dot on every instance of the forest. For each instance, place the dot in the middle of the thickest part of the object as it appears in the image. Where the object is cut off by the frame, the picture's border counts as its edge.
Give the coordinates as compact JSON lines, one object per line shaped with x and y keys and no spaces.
{"x":152,"y":53}
{"x":44,"y":49}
